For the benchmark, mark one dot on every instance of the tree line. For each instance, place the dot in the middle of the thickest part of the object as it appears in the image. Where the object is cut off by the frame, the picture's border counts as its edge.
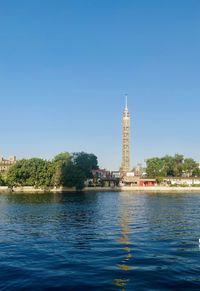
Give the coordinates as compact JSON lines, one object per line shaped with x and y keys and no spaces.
{"x":67,"y":170}
{"x":172,"y":166}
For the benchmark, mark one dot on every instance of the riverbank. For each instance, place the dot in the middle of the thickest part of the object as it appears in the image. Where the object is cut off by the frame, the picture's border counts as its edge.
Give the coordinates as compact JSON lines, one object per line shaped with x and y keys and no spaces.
{"x":153,"y":189}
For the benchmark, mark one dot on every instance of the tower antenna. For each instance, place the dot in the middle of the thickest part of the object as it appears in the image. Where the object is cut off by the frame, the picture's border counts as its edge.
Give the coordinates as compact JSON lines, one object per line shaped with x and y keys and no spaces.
{"x":126,"y":95}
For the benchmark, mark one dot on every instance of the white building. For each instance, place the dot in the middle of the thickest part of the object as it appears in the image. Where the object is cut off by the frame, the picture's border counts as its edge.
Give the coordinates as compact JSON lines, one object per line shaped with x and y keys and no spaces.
{"x":5,"y":164}
{"x":182,"y":181}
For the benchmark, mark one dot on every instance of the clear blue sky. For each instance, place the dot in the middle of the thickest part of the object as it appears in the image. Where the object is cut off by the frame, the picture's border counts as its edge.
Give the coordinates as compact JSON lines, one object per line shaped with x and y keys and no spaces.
{"x":65,"y":66}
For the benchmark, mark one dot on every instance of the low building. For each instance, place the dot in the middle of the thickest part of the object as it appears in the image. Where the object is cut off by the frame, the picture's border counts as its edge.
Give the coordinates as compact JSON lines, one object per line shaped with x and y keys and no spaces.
{"x":147,"y":182}
{"x":115,"y":174}
{"x":130,"y":181}
{"x":109,"y":182}
{"x":100,"y":173}
{"x":5,"y":164}
{"x":98,"y":176}
{"x":130,"y":174}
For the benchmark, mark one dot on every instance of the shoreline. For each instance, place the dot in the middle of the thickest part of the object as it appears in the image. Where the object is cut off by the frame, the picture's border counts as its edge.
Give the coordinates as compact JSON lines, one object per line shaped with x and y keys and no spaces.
{"x":134,"y":189}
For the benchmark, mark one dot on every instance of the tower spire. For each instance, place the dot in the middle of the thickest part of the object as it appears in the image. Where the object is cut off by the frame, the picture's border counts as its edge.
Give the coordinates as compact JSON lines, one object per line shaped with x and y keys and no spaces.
{"x":126,"y":106}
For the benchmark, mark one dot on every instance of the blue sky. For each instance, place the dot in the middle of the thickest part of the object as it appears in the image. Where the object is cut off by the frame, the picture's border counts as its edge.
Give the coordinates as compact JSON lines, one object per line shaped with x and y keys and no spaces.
{"x":65,"y":67}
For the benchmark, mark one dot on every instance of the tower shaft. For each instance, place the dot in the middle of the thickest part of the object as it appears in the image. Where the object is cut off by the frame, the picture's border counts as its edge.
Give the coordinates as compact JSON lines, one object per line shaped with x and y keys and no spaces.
{"x":126,"y":140}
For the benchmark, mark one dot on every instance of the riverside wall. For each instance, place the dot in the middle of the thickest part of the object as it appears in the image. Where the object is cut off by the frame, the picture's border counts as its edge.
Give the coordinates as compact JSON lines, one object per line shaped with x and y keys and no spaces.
{"x":146,"y":189}
{"x":153,"y":189}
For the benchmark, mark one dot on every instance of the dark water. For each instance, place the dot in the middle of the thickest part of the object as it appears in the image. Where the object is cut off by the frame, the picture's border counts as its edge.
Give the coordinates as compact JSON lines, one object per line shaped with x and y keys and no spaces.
{"x":99,"y":241}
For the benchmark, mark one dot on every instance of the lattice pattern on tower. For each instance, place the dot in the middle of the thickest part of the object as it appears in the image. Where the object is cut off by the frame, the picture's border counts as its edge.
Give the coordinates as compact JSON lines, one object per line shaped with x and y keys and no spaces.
{"x":126,"y":140}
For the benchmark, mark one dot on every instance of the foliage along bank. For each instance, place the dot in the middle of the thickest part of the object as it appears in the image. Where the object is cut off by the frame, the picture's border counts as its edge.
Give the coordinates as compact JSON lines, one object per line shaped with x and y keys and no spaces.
{"x":67,"y":170}
{"x":172,"y":166}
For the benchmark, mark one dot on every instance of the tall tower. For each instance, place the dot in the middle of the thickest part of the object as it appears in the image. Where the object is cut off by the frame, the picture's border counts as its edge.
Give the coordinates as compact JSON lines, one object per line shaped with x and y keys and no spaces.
{"x":126,"y":139}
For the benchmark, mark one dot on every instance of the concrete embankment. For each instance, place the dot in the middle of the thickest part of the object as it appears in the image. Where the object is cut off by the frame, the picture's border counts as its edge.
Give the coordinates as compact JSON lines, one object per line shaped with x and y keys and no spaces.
{"x":160,"y":189}
{"x":30,"y":189}
{"x":155,"y":189}
{"x":4,"y":189}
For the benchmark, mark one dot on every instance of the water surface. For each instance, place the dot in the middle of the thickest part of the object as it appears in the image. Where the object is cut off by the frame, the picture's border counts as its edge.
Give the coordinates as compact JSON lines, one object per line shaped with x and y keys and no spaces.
{"x":93,"y":241}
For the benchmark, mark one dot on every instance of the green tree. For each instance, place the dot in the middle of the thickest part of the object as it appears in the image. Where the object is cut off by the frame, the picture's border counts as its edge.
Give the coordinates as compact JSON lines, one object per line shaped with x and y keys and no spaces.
{"x":168,"y":164}
{"x":63,"y":170}
{"x":190,"y":166}
{"x":57,"y":177}
{"x":174,"y":166}
{"x":60,"y":163}
{"x":178,"y":165}
{"x":155,"y":168}
{"x":85,"y":162}
{"x":2,"y":181}
{"x":73,"y":176}
{"x":63,"y":157}
{"x":79,"y":169}
{"x":196,"y":172}
{"x":33,"y":172}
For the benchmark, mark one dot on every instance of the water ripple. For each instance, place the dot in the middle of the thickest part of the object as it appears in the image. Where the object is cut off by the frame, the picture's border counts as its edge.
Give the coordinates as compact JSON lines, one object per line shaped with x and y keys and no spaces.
{"x":93,"y":241}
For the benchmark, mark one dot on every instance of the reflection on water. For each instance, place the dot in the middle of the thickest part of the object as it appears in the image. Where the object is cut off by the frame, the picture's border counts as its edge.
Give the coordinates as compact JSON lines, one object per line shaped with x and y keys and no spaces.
{"x":126,"y":244}
{"x":92,"y":241}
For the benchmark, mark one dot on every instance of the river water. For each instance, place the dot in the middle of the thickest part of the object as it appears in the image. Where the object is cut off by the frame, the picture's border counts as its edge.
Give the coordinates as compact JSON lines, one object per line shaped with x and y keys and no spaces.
{"x":99,"y":241}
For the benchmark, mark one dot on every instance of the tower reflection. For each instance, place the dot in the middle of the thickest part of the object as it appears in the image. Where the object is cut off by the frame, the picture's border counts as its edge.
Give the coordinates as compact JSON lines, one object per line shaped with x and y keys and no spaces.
{"x":124,"y":266}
